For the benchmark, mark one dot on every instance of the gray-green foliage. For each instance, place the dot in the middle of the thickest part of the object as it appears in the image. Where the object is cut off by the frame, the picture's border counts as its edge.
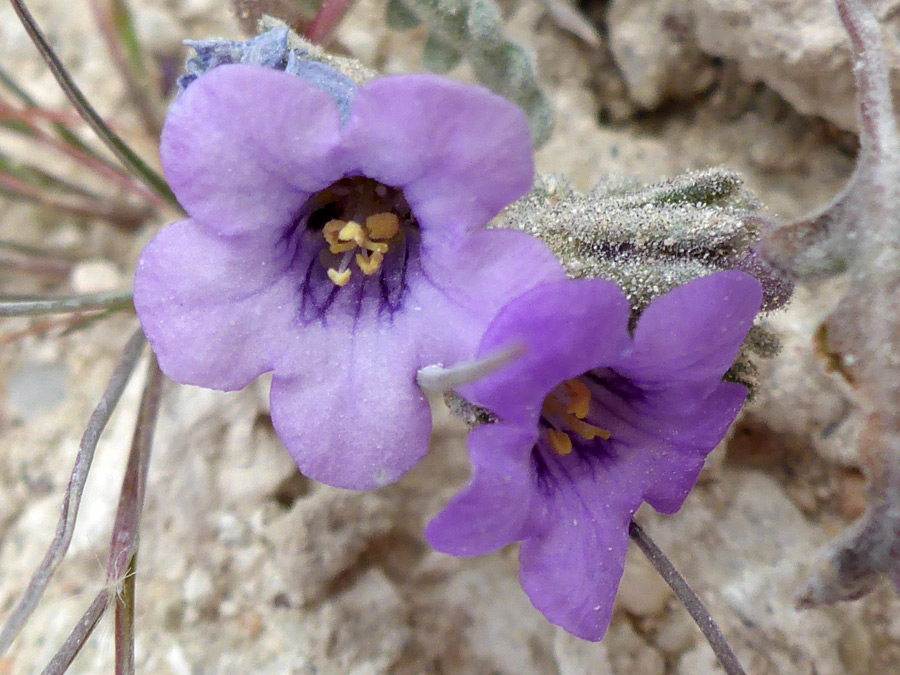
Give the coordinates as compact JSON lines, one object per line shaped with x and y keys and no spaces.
{"x":649,"y":239}
{"x":473,"y":29}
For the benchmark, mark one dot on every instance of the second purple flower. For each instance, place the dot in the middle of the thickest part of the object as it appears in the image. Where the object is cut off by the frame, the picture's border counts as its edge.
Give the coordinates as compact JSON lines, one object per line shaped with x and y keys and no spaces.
{"x":595,"y":421}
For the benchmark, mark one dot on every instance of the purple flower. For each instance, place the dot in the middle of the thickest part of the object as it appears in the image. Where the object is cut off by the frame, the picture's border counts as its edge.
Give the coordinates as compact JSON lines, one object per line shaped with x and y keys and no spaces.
{"x":343,"y":256}
{"x":593,"y":423}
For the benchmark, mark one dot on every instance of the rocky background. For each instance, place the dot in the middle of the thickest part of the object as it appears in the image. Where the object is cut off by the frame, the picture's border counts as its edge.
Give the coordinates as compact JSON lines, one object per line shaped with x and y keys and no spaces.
{"x":246,"y":566}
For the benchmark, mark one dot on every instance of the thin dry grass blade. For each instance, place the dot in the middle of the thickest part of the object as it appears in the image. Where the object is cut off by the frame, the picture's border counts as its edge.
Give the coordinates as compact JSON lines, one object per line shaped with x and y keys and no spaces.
{"x":64,"y":305}
{"x":117,"y":28}
{"x":121,"y":150}
{"x":122,"y":215}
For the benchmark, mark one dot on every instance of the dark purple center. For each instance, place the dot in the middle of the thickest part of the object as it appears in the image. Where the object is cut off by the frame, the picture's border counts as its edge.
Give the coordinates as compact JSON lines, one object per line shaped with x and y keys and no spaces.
{"x":351,"y":248}
{"x":584,"y":420}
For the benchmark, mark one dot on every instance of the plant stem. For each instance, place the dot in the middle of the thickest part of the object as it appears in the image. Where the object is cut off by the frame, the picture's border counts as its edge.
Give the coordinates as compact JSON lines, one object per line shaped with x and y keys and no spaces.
{"x":124,"y":629}
{"x":66,"y":525}
{"x":72,"y":303}
{"x":64,"y":132}
{"x":114,"y":174}
{"x":121,"y":150}
{"x":123,"y":548}
{"x":124,"y":215}
{"x":688,"y":598}
{"x":329,"y":16}
{"x":79,"y":635}
{"x":117,"y":29}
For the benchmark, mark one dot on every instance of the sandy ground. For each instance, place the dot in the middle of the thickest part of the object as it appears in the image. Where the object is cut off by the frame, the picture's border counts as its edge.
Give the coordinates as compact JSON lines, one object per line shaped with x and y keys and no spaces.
{"x":246,"y":566}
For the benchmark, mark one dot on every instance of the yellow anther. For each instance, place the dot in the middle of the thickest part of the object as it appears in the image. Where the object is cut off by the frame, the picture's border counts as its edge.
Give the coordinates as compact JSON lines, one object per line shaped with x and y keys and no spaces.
{"x":382,"y":225}
{"x":331,"y":229}
{"x":342,"y":247}
{"x":579,"y":398}
{"x":587,"y":431}
{"x":339,"y":278}
{"x":371,"y":264}
{"x":560,"y":441}
{"x":374,"y":246}
{"x":352,"y":231}
{"x":552,"y":406}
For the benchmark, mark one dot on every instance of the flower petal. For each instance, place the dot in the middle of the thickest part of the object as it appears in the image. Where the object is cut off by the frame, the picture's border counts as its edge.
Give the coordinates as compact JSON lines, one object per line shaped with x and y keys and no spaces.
{"x":565,"y":329}
{"x":490,"y":512}
{"x":460,"y":153}
{"x":211,"y":306}
{"x":669,"y":468}
{"x":571,"y":567}
{"x":245,"y":146}
{"x":693,"y":333}
{"x":464,"y":284}
{"x":348,"y":409}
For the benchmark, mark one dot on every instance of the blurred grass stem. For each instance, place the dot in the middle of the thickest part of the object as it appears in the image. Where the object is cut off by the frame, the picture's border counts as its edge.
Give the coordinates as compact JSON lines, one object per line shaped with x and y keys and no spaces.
{"x":329,"y":16}
{"x":121,"y":150}
{"x":126,"y":216}
{"x":117,"y":27}
{"x":65,"y":305}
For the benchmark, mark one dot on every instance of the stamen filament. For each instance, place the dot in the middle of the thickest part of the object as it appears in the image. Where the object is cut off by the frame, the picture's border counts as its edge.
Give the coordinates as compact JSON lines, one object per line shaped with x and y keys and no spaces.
{"x":572,"y":415}
{"x":342,"y":247}
{"x":587,"y":431}
{"x":345,"y":261}
{"x":373,"y":246}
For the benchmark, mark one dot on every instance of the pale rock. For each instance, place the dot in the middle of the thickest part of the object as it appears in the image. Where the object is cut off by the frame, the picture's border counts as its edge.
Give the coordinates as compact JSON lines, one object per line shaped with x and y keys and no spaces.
{"x":855,"y":647}
{"x":323,"y":535}
{"x":104,"y":483}
{"x":158,"y":30}
{"x":700,"y":659}
{"x":177,"y":661}
{"x":198,"y":587}
{"x":356,"y":29}
{"x":479,"y":605}
{"x":798,"y":48}
{"x":893,"y":626}
{"x":797,"y":397}
{"x":25,"y":543}
{"x":96,"y":276}
{"x":677,"y":633}
{"x":798,"y":641}
{"x":466,"y":616}
{"x":630,"y":653}
{"x":577,"y":657}
{"x":364,"y":627}
{"x":653,"y":44}
{"x":642,"y":591}
{"x":37,"y":388}
{"x":256,"y":459}
{"x":763,"y":527}
{"x":230,"y":529}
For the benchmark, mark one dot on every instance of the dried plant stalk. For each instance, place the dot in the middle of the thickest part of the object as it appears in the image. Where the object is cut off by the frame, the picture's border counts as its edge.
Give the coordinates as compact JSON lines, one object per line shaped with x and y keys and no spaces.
{"x":859,"y":232}
{"x":66,"y":525}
